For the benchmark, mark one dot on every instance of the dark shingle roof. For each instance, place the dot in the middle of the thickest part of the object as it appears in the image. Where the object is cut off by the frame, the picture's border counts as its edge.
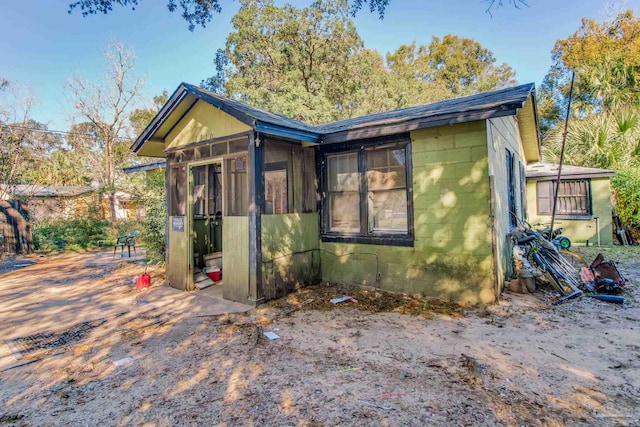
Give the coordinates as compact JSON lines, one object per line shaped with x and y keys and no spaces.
{"x":509,"y":98}
{"x":231,"y":105}
{"x":481,"y":106}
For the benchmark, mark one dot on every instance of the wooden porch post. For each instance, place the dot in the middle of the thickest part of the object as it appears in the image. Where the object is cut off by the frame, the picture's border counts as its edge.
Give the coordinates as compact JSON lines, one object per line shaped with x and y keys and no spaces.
{"x":255,"y":160}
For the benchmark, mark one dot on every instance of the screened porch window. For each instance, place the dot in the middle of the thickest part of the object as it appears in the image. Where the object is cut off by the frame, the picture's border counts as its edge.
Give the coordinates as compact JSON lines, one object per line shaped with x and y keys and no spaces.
{"x":198,"y":191}
{"x":237,"y":187}
{"x":574,"y":197}
{"x":275,"y":191}
{"x":178,"y":184}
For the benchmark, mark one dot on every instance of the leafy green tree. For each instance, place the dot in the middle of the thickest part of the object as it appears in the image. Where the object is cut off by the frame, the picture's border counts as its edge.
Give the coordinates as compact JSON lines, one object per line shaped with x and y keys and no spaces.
{"x":141,"y":117}
{"x":626,"y":185}
{"x":408,"y":83}
{"x":605,"y":57}
{"x":200,"y":12}
{"x":26,"y":146}
{"x":153,"y":198}
{"x":297,"y":62}
{"x":446,"y":68}
{"x":310,"y":64}
{"x":463,"y":65}
{"x":608,"y":139}
{"x":62,"y":166}
{"x":604,"y":128}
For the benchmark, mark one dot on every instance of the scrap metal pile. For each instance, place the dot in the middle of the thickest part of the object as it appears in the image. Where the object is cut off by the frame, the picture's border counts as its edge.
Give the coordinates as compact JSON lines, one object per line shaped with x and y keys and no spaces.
{"x":535,"y":256}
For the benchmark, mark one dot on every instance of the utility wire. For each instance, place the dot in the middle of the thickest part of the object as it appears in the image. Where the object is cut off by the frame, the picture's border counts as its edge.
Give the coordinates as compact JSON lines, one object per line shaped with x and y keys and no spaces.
{"x":59,"y":132}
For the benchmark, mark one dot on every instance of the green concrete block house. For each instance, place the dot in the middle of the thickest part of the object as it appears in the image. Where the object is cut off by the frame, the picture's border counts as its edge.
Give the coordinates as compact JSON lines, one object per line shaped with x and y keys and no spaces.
{"x":418,"y":200}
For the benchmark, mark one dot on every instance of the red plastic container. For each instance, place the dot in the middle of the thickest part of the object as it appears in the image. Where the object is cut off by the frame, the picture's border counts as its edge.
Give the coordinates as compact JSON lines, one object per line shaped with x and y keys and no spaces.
{"x":143,"y":282}
{"x":214,"y":275}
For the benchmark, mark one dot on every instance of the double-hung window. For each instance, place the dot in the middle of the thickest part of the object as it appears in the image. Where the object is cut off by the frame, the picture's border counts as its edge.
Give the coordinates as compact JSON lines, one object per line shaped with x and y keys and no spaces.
{"x":367,"y":195}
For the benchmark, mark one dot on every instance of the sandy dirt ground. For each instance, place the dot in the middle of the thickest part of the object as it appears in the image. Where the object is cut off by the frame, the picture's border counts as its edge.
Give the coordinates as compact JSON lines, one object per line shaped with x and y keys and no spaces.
{"x":80,"y":346}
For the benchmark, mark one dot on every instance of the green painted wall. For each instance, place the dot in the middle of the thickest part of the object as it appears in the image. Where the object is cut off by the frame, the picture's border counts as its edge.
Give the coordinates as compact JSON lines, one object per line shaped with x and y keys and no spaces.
{"x":177,"y":260}
{"x":580,"y":230}
{"x":235,"y":258}
{"x":452,"y":253}
{"x":290,"y":256}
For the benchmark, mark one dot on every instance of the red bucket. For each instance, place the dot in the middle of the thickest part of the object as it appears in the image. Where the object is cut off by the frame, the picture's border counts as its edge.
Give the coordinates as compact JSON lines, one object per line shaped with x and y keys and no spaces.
{"x":215,"y":275}
{"x":143,"y":282}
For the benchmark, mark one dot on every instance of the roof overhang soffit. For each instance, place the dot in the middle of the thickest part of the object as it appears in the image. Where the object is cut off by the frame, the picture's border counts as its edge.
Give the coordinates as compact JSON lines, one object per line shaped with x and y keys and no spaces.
{"x":529,"y":133}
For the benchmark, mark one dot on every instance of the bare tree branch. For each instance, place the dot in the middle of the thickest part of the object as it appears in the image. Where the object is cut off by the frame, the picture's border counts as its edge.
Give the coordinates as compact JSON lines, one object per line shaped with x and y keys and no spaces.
{"x":105,"y":105}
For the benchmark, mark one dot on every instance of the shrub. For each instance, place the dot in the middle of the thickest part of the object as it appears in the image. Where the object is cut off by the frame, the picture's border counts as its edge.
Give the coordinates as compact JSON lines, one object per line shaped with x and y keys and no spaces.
{"x":626,"y":189}
{"x":154,"y":223}
{"x":70,"y":234}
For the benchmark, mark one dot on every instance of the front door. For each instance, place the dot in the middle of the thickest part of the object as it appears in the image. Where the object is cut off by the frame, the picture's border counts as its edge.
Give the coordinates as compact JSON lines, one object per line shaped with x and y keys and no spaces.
{"x":206,"y":216}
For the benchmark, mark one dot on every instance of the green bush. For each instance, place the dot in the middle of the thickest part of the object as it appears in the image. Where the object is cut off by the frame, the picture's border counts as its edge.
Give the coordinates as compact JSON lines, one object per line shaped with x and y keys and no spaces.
{"x":626,"y":188}
{"x":154,"y":224}
{"x":51,"y":235}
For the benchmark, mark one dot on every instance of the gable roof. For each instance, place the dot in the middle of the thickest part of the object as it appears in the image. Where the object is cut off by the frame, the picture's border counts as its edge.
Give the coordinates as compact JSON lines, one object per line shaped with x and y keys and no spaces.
{"x":550,"y":171}
{"x":186,"y":96}
{"x":498,"y":103}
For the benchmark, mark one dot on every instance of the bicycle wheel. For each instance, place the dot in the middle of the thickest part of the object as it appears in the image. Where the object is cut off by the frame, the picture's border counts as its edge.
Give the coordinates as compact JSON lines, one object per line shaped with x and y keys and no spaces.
{"x":574,"y":259}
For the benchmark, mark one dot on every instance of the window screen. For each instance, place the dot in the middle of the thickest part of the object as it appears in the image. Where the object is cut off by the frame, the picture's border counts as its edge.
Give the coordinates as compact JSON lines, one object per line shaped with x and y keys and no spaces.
{"x":237,"y":188}
{"x":275,"y":192}
{"x":178,"y":182}
{"x":199,"y":189}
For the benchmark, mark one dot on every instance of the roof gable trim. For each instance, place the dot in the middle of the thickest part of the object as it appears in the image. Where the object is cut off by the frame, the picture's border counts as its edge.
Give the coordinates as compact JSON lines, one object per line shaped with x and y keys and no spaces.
{"x":148,"y":132}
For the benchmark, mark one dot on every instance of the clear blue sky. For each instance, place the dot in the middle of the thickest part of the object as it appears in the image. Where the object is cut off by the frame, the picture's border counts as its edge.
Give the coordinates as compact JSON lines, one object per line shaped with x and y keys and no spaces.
{"x":42,"y":45}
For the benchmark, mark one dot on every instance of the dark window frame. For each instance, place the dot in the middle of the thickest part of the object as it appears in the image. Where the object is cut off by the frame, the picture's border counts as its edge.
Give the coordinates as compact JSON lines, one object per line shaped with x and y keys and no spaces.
{"x":512,"y":204}
{"x":361,"y":147}
{"x":551,"y":183}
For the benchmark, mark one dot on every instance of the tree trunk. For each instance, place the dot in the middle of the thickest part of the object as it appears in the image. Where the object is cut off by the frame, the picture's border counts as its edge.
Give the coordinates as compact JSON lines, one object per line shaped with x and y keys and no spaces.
{"x":112,"y":210}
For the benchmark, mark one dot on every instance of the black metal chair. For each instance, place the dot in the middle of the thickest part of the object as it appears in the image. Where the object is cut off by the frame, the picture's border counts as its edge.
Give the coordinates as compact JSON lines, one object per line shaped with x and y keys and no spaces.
{"x":127,"y":240}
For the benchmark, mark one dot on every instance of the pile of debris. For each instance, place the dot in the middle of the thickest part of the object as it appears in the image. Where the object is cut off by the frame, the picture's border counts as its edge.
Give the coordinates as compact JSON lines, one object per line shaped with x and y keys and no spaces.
{"x":537,"y":259}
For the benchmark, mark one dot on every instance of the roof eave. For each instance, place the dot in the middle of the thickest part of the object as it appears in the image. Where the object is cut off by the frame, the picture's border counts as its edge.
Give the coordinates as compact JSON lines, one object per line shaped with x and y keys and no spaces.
{"x":534,"y":155}
{"x":550,"y":177}
{"x":384,"y":129}
{"x":287,"y":133}
{"x":175,"y":98}
{"x":144,"y":167}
